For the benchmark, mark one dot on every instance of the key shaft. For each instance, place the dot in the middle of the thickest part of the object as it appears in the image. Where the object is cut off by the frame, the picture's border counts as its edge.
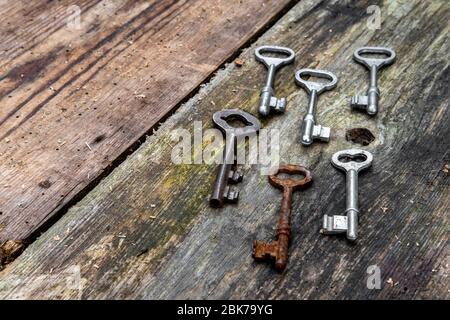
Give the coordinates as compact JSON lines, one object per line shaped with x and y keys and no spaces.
{"x":373,"y":93}
{"x":270,"y":76}
{"x":352,"y":210}
{"x":284,"y":229}
{"x":267,"y":94}
{"x":221,"y":191}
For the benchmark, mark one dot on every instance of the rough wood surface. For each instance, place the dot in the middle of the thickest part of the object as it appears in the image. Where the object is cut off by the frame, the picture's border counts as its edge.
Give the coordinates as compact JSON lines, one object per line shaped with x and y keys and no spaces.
{"x":147,"y":231}
{"x":76,"y":97}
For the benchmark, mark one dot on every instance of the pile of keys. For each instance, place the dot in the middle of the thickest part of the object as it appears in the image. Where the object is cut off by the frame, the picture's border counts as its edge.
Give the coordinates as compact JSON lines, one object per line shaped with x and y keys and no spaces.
{"x":351,"y":161}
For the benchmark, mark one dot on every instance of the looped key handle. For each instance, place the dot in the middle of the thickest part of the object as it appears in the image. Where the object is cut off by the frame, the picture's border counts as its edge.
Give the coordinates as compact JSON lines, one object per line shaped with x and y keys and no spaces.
{"x":310,"y":86}
{"x":294,"y":184}
{"x":352,"y":156}
{"x":221,"y":118}
{"x":277,"y":62}
{"x":377,"y":62}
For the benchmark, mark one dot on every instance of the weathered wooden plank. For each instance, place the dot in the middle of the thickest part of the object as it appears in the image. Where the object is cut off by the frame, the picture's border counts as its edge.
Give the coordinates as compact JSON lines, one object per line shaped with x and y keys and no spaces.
{"x":147,"y":231}
{"x":76,"y":97}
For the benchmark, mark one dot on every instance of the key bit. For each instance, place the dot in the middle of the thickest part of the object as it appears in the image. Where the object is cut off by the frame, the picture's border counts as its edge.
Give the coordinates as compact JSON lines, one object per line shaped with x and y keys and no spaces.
{"x":279,"y":105}
{"x":231,"y":195}
{"x":235,"y":176}
{"x":268,"y":101}
{"x":228,"y":173}
{"x":369,"y":102}
{"x":277,"y":251}
{"x":335,"y":224}
{"x":360,"y":102}
{"x":321,"y":133}
{"x":310,"y":130}
{"x":351,"y":161}
{"x":265,"y":251}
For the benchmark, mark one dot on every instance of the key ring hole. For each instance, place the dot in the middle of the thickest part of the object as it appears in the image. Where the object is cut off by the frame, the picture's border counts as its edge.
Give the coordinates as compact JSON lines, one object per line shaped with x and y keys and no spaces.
{"x":352,"y":159}
{"x":325,"y":80}
{"x":278,"y":54}
{"x":243,"y":122}
{"x":273,"y":55}
{"x":374,"y":56}
{"x":345,"y":158}
{"x":236,"y":121}
{"x":290,"y":176}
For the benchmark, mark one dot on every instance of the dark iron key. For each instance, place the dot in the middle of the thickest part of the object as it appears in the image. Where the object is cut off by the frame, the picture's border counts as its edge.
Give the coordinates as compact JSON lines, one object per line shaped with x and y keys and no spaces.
{"x":228,"y":173}
{"x":277,"y":251}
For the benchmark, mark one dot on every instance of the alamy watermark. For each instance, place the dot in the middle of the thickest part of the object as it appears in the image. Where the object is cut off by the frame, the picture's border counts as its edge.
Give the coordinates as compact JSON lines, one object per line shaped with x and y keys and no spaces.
{"x":374,"y":277}
{"x":207,"y":147}
{"x":73,"y":17}
{"x":374,"y":21}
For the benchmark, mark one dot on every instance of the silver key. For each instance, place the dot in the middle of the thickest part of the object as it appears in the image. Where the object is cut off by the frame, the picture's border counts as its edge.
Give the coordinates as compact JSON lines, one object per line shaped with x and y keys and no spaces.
{"x":347,"y":160}
{"x":267,"y":100}
{"x":369,"y":102}
{"x":311,"y":131}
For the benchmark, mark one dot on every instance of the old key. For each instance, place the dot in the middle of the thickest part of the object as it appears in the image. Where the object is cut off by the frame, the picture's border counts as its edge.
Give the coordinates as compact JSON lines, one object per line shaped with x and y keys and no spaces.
{"x":310,"y":130}
{"x":351,"y":161}
{"x":369,"y":102}
{"x":222,"y":191}
{"x":278,"y":250}
{"x":267,"y":100}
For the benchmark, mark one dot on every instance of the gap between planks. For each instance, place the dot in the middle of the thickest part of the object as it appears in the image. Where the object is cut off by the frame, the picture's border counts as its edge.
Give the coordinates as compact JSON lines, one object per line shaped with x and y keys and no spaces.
{"x":12,"y":249}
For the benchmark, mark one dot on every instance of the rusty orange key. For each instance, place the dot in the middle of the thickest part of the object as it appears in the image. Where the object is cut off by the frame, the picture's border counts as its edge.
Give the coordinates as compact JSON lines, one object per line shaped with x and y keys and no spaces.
{"x":277,"y":250}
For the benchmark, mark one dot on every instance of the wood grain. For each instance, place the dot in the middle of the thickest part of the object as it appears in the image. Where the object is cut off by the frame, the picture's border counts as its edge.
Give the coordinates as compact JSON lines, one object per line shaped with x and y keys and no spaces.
{"x":75,"y":98}
{"x":147,"y":231}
